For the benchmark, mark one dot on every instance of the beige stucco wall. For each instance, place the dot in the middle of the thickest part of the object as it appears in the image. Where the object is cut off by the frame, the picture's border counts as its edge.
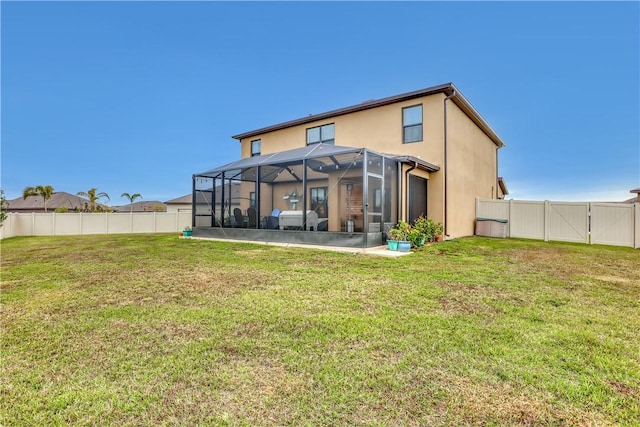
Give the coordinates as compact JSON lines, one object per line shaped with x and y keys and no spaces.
{"x":379,"y":129}
{"x":472,"y":171}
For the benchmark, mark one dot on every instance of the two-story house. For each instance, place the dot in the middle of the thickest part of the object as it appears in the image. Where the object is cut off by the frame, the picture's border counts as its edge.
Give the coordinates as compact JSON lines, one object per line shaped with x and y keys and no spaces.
{"x":345,"y":176}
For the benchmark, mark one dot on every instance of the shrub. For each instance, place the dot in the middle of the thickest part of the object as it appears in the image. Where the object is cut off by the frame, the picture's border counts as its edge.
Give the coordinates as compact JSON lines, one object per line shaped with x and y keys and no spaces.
{"x":416,"y":238}
{"x":400,"y":231}
{"x":428,"y":227}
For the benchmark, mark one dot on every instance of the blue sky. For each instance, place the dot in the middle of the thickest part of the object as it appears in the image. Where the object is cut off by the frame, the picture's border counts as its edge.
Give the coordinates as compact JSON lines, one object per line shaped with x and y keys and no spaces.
{"x":136,"y":97}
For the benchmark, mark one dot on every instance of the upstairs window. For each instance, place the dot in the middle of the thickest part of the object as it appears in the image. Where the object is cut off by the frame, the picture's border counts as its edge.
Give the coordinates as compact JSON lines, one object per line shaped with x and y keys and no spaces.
{"x":255,"y":147}
{"x":321,"y":134}
{"x":412,"y":124}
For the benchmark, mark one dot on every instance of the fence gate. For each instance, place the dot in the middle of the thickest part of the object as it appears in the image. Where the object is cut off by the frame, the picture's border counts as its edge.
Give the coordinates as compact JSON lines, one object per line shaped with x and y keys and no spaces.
{"x":612,"y":224}
{"x":569,"y":222}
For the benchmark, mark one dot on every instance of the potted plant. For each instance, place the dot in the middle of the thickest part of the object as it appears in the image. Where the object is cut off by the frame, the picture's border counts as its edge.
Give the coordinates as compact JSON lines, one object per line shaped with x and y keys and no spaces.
{"x":187,"y":231}
{"x":438,"y":229}
{"x":416,"y":238}
{"x":401,"y":233}
{"x":430,"y":229}
{"x":392,"y":240}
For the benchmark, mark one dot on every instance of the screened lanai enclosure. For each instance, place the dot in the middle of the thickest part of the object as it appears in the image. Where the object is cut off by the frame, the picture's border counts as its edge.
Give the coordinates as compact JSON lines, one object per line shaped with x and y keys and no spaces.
{"x":321,"y":194}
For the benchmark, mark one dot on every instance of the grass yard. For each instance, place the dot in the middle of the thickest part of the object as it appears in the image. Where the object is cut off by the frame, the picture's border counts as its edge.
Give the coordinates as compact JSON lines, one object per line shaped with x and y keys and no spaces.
{"x":157,"y":330}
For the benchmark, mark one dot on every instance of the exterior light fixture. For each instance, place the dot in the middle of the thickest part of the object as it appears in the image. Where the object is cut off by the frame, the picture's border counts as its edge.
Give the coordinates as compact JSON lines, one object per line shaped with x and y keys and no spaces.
{"x":292,"y":198}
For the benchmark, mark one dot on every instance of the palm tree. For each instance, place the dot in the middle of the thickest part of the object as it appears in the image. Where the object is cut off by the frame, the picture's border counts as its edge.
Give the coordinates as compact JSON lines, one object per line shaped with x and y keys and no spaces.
{"x":131,"y":198}
{"x":46,"y":191}
{"x":93,"y":197}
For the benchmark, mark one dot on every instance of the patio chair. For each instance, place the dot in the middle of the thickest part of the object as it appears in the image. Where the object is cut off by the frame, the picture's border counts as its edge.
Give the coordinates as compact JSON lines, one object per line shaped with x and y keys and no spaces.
{"x":271,"y":223}
{"x":239,"y":220}
{"x":253,"y":218}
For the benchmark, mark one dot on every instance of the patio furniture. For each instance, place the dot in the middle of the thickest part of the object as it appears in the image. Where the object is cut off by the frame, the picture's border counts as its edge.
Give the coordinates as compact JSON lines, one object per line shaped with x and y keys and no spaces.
{"x":271,"y":223}
{"x":294,"y":219}
{"x":253,"y":217}
{"x":239,"y":219}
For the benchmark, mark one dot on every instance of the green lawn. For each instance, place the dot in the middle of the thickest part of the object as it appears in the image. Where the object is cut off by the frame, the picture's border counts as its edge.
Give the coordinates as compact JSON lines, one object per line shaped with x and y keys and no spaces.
{"x":153,"y":329}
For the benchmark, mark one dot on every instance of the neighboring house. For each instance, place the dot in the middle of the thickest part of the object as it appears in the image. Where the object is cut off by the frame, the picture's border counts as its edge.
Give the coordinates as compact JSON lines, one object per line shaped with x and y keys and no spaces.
{"x":502,"y":188}
{"x":634,"y":199}
{"x":59,"y":200}
{"x":142,"y":206}
{"x":362,"y":168}
{"x":184,"y":203}
{"x":180,"y":204}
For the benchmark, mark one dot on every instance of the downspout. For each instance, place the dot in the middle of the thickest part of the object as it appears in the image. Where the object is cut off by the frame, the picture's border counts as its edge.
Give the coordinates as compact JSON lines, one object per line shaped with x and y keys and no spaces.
{"x":406,"y":189}
{"x":446,"y":168}
{"x":497,"y":183}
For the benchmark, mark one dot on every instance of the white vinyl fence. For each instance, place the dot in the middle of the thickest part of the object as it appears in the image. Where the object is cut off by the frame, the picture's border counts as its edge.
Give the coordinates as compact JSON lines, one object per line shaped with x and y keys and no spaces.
{"x":61,"y":224}
{"x":584,"y":222}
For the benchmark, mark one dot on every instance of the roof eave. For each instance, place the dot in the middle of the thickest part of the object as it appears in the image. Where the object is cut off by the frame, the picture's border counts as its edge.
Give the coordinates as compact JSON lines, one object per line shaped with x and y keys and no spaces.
{"x":503,"y":186}
{"x":429,"y":167}
{"x":472,"y":113}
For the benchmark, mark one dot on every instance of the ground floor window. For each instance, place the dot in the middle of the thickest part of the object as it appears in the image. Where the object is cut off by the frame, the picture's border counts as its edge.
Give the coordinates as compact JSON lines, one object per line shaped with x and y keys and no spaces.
{"x":319,"y":197}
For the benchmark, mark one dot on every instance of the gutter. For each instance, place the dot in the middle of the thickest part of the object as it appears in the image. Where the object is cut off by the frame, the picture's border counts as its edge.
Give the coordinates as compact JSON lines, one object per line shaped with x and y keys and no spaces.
{"x":446,"y":166}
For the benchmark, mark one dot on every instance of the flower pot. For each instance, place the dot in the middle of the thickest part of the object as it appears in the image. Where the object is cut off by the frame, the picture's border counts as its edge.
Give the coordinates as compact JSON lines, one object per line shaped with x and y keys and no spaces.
{"x":404,"y":246}
{"x":186,"y":233}
{"x":393,"y":245}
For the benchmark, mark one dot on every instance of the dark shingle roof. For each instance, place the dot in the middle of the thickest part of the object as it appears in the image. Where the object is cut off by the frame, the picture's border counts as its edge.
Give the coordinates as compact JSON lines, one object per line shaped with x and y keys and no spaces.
{"x":142,"y":206}
{"x":58,"y":199}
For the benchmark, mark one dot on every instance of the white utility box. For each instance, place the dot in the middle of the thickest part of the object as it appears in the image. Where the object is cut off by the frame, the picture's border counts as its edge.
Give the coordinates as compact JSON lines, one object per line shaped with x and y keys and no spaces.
{"x":294,"y":219}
